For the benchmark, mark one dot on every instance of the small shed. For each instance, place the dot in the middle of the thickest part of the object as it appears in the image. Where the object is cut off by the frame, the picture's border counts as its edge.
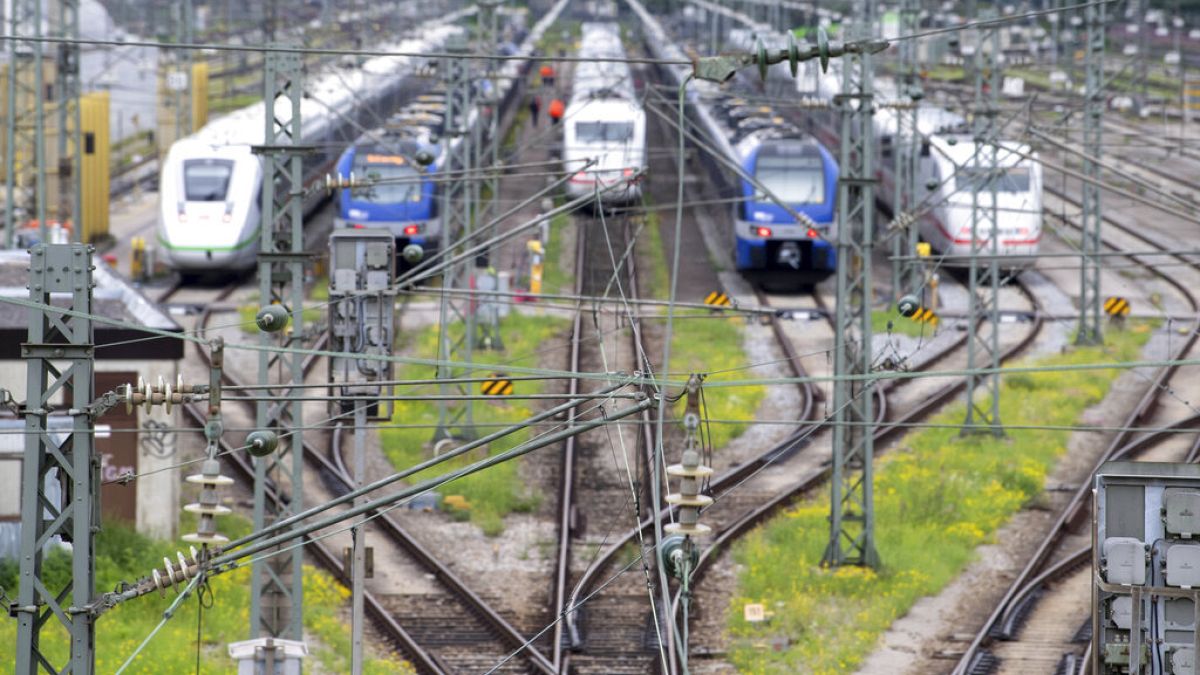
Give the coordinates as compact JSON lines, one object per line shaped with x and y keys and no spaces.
{"x":137,"y":442}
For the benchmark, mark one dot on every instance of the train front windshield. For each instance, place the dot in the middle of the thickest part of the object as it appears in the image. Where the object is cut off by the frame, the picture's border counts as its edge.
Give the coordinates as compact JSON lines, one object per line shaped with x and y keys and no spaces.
{"x":1014,"y":179}
{"x":793,"y":179}
{"x":389,"y":180}
{"x":603,"y":132}
{"x":206,"y":180}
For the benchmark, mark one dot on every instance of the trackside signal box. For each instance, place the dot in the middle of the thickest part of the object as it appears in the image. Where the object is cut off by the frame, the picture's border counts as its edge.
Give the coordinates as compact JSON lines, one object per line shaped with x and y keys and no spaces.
{"x":362,"y":321}
{"x":1146,"y":568}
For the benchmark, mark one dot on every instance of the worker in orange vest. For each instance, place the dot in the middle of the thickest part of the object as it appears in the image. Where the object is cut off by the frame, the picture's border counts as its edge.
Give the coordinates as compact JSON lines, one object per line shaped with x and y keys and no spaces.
{"x":556,"y":110}
{"x":547,"y":73}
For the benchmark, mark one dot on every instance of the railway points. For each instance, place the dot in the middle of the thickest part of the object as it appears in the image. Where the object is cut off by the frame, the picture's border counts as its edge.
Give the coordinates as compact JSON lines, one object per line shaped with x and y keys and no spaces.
{"x":579,"y":382}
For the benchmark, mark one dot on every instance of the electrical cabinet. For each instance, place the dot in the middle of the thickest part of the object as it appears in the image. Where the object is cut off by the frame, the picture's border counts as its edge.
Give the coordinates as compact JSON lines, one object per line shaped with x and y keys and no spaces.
{"x":362,"y":329}
{"x":1146,"y":568}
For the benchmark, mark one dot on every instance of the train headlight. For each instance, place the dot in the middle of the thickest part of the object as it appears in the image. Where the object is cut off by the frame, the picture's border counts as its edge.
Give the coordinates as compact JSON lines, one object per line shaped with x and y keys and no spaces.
{"x":813,"y":234}
{"x":412,"y":230}
{"x":763,"y":232}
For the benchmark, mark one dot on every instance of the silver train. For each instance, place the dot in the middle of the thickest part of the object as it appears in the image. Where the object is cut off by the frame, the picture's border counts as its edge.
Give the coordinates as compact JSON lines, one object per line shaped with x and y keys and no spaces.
{"x":603,"y":121}
{"x":953,"y":171}
{"x":211,"y":183}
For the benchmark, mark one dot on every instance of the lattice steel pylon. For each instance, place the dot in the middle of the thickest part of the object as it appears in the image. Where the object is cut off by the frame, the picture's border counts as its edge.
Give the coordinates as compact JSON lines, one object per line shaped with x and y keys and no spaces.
{"x":68,"y":88}
{"x":456,"y":419}
{"x":1090,"y":301}
{"x":182,"y":97}
{"x":1143,"y":55}
{"x":906,"y":148}
{"x":983,"y":291}
{"x":852,"y":509}
{"x":25,"y":120}
{"x":487,"y":147}
{"x":60,"y":486}
{"x":276,"y":606}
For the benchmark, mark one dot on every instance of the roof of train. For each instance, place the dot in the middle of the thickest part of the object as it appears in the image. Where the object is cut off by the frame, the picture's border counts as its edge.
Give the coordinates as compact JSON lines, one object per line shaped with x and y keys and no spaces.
{"x":334,"y":89}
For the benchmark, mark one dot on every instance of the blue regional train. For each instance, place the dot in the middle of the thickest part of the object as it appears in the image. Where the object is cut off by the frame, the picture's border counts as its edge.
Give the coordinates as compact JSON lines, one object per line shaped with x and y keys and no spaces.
{"x":771,"y":245}
{"x":393,"y":190}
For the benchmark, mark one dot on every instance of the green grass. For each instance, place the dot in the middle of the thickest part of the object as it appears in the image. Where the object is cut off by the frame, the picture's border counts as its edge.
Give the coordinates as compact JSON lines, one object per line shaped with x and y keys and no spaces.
{"x":947,"y":73}
{"x":890,"y":321}
{"x":936,"y":499}
{"x":707,"y":342}
{"x":653,"y":256}
{"x":558,"y":258}
{"x":122,"y":554}
{"x":499,"y":490}
{"x":218,"y":105}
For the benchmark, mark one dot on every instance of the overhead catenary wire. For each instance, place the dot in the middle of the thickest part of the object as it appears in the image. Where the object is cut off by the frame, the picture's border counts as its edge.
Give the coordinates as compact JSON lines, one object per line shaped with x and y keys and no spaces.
{"x":644,"y":379}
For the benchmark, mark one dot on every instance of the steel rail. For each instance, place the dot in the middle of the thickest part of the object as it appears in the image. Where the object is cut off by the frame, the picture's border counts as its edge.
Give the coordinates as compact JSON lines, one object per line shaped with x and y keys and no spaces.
{"x":886,"y":431}
{"x":420,"y":658}
{"x":326,"y":468}
{"x":1070,"y":515}
{"x":566,"y":492}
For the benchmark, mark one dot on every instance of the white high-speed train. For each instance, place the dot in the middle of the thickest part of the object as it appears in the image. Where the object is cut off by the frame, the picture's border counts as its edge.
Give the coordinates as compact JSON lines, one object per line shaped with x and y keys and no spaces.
{"x":953,"y":176}
{"x":603,"y":121}
{"x":211,"y":183}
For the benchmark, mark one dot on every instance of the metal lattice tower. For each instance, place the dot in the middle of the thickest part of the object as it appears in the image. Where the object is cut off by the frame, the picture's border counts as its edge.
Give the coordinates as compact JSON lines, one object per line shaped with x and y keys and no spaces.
{"x":906,"y":149}
{"x":68,"y":88}
{"x":488,"y":153}
{"x":25,"y":130}
{"x":456,"y":419}
{"x":183,"y":63}
{"x":60,"y":486}
{"x":983,"y":291}
{"x":277,"y":586}
{"x":487,"y":157}
{"x":1090,"y":301}
{"x":852,"y":510}
{"x":1143,"y":54}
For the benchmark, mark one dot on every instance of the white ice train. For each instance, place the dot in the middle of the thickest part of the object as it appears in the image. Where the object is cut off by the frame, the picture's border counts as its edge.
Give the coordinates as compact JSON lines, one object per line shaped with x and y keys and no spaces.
{"x":211,"y":182}
{"x":604,"y":121}
{"x":951,"y":169}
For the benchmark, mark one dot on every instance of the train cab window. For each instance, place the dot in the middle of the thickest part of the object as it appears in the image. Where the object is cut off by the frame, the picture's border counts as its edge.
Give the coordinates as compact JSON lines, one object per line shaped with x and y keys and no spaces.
{"x":1012,"y":179}
{"x":389,"y":179}
{"x":206,"y":180}
{"x":795,"y":179}
{"x":603,"y":132}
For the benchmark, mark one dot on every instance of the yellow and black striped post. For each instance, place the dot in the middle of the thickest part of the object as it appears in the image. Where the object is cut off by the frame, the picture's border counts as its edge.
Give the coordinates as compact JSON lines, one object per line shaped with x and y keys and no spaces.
{"x":925,"y":315}
{"x":496,"y":385}
{"x":717,"y":299}
{"x":1117,"y":308}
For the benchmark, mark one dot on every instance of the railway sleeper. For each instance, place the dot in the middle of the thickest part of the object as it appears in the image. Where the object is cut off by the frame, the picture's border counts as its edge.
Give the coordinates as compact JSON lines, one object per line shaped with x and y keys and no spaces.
{"x":983,"y":663}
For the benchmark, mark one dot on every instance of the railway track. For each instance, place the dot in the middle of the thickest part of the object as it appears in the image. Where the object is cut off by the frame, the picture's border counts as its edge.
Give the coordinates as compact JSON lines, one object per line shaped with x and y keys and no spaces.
{"x":1034,"y":598}
{"x":594,"y":493}
{"x":454,"y":644}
